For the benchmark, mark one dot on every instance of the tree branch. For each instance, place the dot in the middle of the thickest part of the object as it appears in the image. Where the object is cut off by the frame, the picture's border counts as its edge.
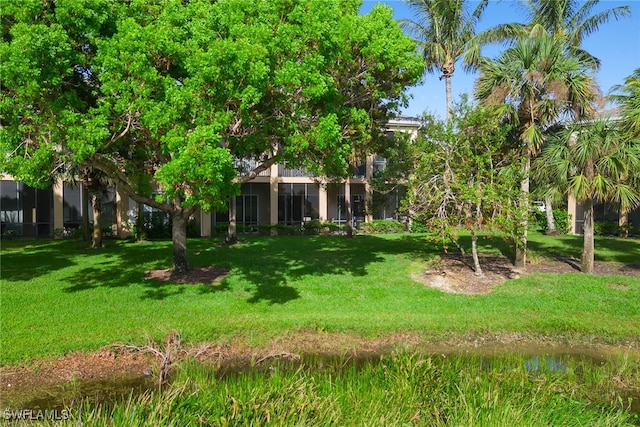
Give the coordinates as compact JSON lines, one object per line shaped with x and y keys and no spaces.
{"x":121,"y":181}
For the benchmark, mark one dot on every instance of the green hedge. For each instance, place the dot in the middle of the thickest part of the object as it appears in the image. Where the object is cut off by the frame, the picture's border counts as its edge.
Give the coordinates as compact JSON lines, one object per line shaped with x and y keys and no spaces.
{"x":383,"y":227}
{"x":310,"y":228}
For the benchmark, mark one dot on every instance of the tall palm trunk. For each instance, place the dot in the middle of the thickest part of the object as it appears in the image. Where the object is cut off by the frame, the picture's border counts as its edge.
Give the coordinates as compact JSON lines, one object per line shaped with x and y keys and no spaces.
{"x":588,"y":243}
{"x":551,"y":222}
{"x":520,"y":243}
{"x":623,"y":222}
{"x":587,"y":262}
{"x":447,"y":86}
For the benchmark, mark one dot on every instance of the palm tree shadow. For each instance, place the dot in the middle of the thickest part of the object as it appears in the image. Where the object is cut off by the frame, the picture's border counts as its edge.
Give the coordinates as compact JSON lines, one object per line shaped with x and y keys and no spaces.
{"x":570,"y":261}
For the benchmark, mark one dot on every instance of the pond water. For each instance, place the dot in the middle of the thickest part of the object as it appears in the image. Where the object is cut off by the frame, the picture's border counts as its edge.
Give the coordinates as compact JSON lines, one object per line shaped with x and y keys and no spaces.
{"x":109,"y":391}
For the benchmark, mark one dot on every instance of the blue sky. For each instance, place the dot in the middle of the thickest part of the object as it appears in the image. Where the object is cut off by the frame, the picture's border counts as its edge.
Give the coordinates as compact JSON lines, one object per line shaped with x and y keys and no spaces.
{"x":616,"y":44}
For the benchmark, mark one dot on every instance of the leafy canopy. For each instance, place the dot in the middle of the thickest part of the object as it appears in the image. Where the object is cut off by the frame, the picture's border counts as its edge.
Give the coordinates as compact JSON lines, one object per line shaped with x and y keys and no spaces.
{"x":167,"y":96}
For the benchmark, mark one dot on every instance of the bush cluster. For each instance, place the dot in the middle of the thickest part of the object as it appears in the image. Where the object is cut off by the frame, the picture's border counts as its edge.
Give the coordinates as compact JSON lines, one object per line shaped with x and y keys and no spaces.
{"x":383,"y":226}
{"x":157,"y":225}
{"x":605,"y":228}
{"x":310,"y":228}
{"x":538,"y":220}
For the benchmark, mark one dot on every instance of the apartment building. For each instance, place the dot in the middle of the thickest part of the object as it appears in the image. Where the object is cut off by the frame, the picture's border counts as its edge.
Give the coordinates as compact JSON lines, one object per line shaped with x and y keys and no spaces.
{"x":279,"y":195}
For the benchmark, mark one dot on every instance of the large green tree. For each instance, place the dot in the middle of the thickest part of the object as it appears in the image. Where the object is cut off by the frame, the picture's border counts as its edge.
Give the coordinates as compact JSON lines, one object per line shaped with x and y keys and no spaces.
{"x":536,"y":84}
{"x":445,"y":31}
{"x":165,"y":97}
{"x":593,"y":162}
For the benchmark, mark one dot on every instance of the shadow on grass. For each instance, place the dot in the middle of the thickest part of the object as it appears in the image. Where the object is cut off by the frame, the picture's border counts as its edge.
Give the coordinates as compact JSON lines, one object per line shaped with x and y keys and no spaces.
{"x":26,"y":260}
{"x":566,"y":248}
{"x":120,"y":264}
{"x":270,"y":265}
{"x":607,"y":249}
{"x":158,"y":290}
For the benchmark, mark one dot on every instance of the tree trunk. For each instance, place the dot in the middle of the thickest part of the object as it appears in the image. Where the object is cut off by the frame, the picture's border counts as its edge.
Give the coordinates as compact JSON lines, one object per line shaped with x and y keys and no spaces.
{"x":551,"y":222}
{"x":179,"y":236}
{"x":141,"y":231}
{"x":447,"y":86}
{"x":588,"y":246}
{"x":623,"y":223}
{"x":520,"y":249}
{"x":474,"y":254}
{"x":86,"y":233}
{"x":347,"y":205}
{"x":232,"y":236}
{"x":96,"y":203}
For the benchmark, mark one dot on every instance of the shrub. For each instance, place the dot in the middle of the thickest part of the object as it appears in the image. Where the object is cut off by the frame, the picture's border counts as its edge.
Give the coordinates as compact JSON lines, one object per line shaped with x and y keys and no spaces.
{"x":107,"y":232}
{"x":265,"y":229}
{"x":418,"y":227}
{"x":538,"y":220}
{"x":9,"y":235}
{"x":383,"y":227}
{"x":158,"y":225}
{"x":603,"y":228}
{"x":332,"y":227}
{"x":193,"y":230}
{"x":312,"y":228}
{"x":563,"y":220}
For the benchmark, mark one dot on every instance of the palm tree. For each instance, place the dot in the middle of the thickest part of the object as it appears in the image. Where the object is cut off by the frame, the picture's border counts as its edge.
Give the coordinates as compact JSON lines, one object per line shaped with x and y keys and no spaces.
{"x":535,"y":84}
{"x":628,"y":97}
{"x":592,"y":162}
{"x":567,"y":20}
{"x":444,"y":31}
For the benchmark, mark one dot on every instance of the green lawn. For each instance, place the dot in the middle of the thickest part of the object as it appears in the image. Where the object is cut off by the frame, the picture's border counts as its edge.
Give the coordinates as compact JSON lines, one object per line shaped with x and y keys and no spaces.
{"x":60,"y":296}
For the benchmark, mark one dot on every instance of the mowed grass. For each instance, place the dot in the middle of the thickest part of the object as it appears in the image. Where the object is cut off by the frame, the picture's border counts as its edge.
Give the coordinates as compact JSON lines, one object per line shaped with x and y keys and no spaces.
{"x":60,"y":296}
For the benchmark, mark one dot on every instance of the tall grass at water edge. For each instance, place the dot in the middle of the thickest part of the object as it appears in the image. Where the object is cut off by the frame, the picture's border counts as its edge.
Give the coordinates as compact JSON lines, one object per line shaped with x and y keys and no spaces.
{"x":398,"y":389}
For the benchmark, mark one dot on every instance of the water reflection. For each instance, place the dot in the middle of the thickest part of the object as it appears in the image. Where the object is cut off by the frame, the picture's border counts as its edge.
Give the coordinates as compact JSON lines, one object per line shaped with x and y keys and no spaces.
{"x":547,"y":363}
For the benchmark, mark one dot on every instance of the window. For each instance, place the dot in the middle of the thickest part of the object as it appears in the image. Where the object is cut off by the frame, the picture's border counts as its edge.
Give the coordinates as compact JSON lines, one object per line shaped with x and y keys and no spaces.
{"x":72,"y":205}
{"x":357,"y":208}
{"x":247,"y":209}
{"x":26,"y":211}
{"x":298,"y":203}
